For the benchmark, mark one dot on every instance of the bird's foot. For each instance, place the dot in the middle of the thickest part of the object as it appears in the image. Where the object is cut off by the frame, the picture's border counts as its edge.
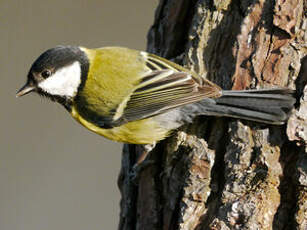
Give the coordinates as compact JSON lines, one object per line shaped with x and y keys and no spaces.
{"x":142,"y":162}
{"x":137,"y":169}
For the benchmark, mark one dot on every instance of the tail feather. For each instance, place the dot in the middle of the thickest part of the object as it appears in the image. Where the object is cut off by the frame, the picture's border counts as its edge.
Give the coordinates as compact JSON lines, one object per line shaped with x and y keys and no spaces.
{"x":270,"y":106}
{"x":259,"y":98}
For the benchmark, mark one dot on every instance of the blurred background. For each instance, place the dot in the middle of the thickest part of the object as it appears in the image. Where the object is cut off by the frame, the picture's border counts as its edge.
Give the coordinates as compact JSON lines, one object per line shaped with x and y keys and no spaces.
{"x":55,"y":174}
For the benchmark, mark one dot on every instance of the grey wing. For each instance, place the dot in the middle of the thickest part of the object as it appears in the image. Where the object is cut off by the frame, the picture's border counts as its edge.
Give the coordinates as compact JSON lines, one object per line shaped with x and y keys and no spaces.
{"x":161,"y":91}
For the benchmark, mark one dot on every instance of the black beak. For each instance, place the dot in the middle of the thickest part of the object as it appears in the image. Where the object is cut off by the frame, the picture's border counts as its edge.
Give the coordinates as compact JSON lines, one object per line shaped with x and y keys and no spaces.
{"x":27,"y":88}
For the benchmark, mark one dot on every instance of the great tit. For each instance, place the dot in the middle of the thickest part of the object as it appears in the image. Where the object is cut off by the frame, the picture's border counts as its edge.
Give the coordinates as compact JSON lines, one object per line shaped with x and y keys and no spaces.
{"x":136,"y":97}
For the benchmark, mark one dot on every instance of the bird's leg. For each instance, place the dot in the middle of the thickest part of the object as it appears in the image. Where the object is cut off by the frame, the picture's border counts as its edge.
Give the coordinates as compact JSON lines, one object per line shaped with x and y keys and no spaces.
{"x":144,"y":152}
{"x":142,"y":160}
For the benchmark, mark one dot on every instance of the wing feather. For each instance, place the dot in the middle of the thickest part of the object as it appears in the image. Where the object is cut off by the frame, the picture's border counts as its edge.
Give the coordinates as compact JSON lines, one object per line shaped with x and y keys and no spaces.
{"x":161,"y":90}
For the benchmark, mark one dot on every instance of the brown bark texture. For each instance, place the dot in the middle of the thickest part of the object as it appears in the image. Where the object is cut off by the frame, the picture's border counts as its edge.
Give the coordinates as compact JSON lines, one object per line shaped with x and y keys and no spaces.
{"x":221,"y":173}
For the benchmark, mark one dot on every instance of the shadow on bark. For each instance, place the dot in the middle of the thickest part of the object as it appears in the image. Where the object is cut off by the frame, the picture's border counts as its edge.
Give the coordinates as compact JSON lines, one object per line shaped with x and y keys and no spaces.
{"x":220,"y":173}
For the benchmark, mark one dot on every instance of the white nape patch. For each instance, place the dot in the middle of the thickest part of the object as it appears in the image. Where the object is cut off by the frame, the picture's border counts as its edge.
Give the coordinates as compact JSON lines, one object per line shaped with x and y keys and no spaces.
{"x":64,"y":82}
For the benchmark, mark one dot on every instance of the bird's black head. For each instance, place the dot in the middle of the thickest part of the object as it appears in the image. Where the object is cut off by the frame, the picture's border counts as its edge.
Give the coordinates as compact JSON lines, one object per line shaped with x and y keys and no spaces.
{"x":57,"y":73}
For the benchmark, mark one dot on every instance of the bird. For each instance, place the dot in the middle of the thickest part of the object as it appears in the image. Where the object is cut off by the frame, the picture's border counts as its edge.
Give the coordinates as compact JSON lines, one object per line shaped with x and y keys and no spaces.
{"x":136,"y":97}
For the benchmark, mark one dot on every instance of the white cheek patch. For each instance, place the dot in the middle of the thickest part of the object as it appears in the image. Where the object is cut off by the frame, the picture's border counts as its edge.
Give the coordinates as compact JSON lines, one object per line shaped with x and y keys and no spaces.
{"x":64,"y":82}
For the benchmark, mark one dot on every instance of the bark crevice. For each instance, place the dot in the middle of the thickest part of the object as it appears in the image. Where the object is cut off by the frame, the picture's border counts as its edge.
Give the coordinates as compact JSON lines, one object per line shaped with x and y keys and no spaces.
{"x":220,"y":173}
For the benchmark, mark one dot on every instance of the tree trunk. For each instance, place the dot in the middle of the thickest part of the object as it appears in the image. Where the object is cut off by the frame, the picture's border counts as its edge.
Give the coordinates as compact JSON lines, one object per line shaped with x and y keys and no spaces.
{"x":221,"y":173}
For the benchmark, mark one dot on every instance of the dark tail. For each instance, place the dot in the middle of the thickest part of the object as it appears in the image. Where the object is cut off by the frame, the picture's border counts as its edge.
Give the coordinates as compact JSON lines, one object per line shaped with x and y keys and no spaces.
{"x":270,"y":106}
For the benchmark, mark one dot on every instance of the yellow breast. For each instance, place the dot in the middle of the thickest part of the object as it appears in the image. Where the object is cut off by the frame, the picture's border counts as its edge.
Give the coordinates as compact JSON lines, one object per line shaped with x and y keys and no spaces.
{"x":145,"y":131}
{"x":112,"y":77}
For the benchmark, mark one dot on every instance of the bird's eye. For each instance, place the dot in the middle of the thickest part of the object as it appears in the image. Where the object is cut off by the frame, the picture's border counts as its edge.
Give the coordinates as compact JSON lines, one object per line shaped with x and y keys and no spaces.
{"x":46,"y":73}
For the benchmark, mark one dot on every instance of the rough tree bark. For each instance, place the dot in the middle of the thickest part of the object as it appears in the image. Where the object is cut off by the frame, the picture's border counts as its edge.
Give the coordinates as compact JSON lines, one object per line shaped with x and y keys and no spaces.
{"x":220,"y":173}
